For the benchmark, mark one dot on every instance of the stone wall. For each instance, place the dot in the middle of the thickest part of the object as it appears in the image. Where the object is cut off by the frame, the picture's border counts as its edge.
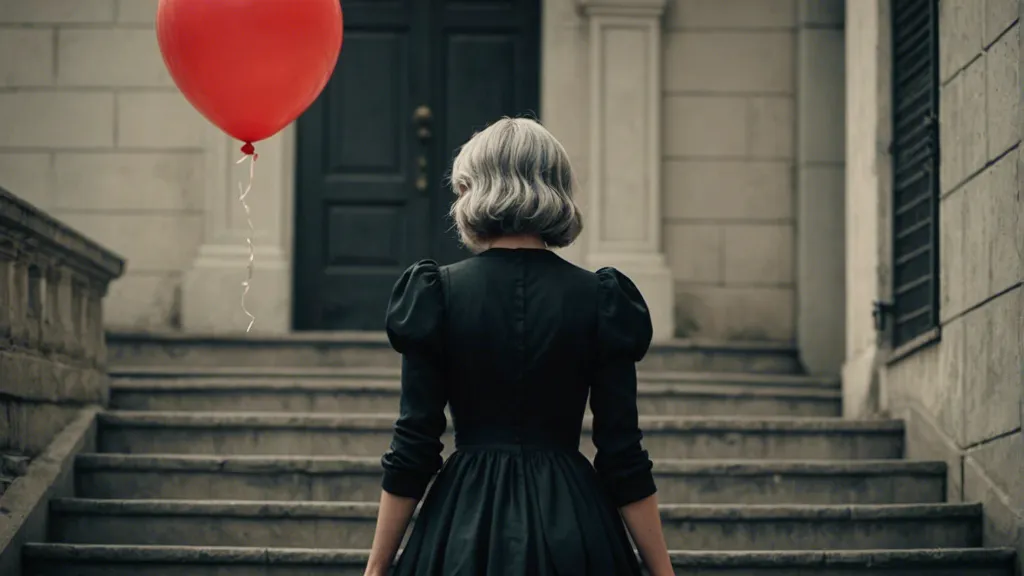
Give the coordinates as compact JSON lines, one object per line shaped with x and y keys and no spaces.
{"x":729,"y":210}
{"x":961,"y":394}
{"x":52,"y":347}
{"x":96,"y":134}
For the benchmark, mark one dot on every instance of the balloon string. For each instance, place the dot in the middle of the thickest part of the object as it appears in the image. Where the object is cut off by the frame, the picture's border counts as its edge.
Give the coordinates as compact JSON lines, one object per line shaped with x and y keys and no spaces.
{"x":242,"y":193}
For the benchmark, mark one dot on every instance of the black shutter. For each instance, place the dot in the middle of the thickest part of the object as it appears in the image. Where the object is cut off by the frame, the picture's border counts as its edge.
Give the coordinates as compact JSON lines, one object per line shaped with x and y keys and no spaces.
{"x":915,"y":164}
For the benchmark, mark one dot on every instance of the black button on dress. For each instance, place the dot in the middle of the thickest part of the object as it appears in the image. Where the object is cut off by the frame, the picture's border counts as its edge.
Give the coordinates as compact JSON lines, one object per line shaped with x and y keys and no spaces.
{"x":513,"y":341}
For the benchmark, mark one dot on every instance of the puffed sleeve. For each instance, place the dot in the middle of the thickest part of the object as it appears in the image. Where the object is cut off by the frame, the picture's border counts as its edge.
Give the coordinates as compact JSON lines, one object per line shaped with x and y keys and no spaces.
{"x":623,"y":336}
{"x":414,"y":323}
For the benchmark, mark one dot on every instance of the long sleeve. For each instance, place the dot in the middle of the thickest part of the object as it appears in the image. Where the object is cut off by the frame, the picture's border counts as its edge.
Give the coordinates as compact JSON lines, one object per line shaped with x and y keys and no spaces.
{"x":624,"y":335}
{"x":414,"y":325}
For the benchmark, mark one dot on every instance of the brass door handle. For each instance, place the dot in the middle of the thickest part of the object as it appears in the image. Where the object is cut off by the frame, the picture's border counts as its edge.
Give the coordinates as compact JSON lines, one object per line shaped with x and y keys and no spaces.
{"x":421,"y":177}
{"x":422,"y":114}
{"x":422,"y":117}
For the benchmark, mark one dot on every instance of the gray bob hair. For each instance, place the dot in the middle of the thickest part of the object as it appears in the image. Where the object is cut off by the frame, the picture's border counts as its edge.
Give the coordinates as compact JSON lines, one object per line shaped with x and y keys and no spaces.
{"x":514,"y":178}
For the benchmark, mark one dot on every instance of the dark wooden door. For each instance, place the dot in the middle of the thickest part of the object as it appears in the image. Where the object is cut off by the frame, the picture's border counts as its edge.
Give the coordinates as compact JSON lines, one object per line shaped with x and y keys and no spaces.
{"x":415,"y":79}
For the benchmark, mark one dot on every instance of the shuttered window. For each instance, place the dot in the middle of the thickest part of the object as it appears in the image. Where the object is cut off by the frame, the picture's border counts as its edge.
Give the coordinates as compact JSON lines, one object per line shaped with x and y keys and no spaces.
{"x":915,"y":158}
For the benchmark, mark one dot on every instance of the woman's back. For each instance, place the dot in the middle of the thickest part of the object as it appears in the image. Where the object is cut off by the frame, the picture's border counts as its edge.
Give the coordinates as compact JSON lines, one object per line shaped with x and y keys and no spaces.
{"x":519,"y":347}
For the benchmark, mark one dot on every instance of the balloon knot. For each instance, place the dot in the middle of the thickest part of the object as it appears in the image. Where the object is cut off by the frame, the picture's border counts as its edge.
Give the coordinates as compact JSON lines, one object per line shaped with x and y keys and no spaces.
{"x":248,"y":149}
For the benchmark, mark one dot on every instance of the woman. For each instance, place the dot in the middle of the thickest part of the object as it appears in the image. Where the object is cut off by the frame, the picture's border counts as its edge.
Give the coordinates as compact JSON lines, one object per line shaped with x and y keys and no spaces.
{"x":513,"y":340}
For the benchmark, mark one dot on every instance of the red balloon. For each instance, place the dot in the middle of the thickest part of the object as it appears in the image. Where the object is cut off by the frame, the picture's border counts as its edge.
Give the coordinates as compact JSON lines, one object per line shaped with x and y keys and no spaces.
{"x":250,"y":66}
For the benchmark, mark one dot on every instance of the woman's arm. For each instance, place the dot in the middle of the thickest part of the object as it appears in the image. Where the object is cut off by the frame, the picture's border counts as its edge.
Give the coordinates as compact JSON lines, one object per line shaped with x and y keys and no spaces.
{"x":644,"y":524}
{"x":624,"y":465}
{"x":413,"y":325}
{"x":412,"y":460}
{"x":392,"y":521}
{"x":624,"y":335}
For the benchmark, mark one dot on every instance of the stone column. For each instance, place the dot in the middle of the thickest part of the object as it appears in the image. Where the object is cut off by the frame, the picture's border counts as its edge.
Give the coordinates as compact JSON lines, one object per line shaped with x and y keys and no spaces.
{"x":211,"y":290}
{"x":821,"y":181}
{"x":625,"y":208}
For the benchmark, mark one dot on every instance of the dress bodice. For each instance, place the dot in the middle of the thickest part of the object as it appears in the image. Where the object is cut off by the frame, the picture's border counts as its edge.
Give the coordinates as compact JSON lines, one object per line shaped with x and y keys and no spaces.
{"x":514,"y":341}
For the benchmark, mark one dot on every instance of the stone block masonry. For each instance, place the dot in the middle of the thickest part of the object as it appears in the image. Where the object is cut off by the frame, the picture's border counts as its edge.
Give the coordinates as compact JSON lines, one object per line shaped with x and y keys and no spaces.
{"x":962,"y":393}
{"x":96,"y":134}
{"x":753,"y":170}
{"x":729,"y":150}
{"x":52,"y":347}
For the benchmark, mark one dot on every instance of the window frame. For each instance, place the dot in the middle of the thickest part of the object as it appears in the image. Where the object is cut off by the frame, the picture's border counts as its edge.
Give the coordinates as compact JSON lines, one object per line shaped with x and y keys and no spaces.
{"x":915,"y":127}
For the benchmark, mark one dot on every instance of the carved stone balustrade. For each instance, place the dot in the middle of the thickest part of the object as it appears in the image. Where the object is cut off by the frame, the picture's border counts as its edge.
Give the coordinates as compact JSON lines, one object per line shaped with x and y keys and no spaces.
{"x":52,"y":349}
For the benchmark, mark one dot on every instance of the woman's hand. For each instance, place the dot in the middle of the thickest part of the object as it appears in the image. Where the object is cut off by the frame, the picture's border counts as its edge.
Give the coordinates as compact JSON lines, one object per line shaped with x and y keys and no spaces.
{"x":644,"y":523}
{"x":374,"y":568}
{"x":392,"y":520}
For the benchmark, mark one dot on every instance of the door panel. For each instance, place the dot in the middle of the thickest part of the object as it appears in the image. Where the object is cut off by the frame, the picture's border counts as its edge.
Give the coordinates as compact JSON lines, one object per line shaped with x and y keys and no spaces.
{"x":359,"y":220}
{"x":365,"y":135}
{"x":487,"y":67}
{"x":370,"y":196}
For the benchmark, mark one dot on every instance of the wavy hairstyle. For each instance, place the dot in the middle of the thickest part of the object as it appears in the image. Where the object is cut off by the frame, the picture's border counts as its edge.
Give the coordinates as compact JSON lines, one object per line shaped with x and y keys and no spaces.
{"x":514,"y":178}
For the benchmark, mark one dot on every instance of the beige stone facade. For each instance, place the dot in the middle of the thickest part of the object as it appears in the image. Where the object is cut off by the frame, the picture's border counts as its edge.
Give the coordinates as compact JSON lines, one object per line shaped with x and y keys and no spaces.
{"x":95,"y":134}
{"x":694,"y":186}
{"x":960,"y":387}
{"x":729,"y":151}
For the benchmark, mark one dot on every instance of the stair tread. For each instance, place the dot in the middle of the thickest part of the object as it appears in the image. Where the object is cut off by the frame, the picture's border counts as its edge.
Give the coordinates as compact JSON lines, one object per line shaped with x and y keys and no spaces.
{"x":386,"y":422}
{"x":123,"y":373}
{"x":234,"y":555}
{"x":362,"y":385}
{"x":321,"y":464}
{"x":316,"y":337}
{"x":298,"y":509}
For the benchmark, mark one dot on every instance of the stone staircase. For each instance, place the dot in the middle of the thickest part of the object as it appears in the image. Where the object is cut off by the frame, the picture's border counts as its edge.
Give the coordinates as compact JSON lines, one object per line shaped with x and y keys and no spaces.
{"x":262,"y":458}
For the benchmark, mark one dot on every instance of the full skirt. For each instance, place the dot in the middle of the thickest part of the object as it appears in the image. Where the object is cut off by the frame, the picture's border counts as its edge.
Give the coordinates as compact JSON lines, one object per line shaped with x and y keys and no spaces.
{"x":512,"y":511}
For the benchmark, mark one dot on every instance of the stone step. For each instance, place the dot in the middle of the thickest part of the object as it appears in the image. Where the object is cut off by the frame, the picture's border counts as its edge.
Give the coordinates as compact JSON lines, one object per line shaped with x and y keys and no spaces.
{"x":675,"y":437}
{"x":372,"y":349}
{"x":293,"y":373}
{"x":363,"y":395}
{"x":351,"y":525}
{"x":100,"y":560}
{"x":358,"y":479}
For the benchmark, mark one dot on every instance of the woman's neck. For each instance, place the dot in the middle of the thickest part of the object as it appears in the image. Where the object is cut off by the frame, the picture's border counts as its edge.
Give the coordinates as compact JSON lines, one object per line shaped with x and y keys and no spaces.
{"x":533,"y":242}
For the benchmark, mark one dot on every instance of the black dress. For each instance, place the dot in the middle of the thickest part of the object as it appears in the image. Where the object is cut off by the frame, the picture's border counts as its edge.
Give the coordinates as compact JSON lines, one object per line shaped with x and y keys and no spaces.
{"x":513,"y":341}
